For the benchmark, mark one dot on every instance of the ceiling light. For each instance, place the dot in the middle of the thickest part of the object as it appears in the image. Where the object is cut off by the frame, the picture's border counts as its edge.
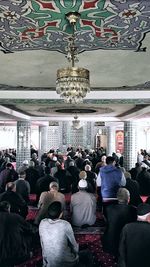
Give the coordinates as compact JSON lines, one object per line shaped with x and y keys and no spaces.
{"x":72,"y":83}
{"x":76,"y":123}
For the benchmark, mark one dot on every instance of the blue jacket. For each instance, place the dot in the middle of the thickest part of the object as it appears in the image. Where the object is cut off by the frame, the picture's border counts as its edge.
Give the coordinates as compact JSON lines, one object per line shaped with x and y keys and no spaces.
{"x":110,"y":181}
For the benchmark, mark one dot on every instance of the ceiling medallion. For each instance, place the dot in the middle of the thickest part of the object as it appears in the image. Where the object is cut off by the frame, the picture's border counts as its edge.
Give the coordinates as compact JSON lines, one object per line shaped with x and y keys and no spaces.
{"x":72,"y":83}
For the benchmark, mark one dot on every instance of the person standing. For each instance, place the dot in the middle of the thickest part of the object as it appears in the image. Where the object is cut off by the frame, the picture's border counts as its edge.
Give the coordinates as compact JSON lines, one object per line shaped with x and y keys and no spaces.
{"x":135,"y":240}
{"x":110,"y":179}
{"x":117,"y":215}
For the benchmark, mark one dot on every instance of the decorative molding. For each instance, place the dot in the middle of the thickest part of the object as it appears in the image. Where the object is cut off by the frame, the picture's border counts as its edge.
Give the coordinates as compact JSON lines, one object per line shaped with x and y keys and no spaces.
{"x":137,"y":101}
{"x":138,"y":87}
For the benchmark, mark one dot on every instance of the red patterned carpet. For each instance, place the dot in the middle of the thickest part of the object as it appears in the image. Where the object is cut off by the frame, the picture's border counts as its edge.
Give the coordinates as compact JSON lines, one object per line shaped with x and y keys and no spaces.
{"x":89,"y":238}
{"x":89,"y":241}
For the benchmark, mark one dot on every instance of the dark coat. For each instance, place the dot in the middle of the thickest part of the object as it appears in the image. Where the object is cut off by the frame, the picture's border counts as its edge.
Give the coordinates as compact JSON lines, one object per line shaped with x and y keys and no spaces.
{"x":14,"y":239}
{"x":32,"y":176}
{"x":91,"y":180}
{"x":134,"y":245}
{"x":6,"y":176}
{"x":18,"y":204}
{"x":63,"y":180}
{"x":23,"y":189}
{"x":133,"y":187}
{"x":42,"y":183}
{"x":117,"y":216}
{"x":143,"y":179}
{"x":73,"y":173}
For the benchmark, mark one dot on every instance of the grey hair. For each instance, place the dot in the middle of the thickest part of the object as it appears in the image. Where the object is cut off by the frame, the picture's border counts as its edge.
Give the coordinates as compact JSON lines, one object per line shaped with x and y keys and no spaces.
{"x":123,"y":195}
{"x":54,"y":185}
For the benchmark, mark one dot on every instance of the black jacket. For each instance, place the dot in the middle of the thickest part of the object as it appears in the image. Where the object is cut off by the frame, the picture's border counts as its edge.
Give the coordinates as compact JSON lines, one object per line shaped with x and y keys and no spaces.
{"x":134,"y":245}
{"x":117,"y":216}
{"x":15,"y":234}
{"x":17,"y":203}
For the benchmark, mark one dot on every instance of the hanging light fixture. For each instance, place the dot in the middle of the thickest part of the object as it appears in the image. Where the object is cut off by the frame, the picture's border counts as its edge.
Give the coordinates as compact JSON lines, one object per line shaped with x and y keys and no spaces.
{"x":72,"y":83}
{"x":76,"y":123}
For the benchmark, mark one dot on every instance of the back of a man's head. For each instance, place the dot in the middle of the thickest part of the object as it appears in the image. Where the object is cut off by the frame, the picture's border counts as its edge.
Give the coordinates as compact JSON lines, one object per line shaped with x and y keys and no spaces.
{"x":25,"y":162}
{"x":87,"y":168}
{"x":54,"y":210}
{"x":54,"y":186}
{"x":71,"y":163}
{"x":31,"y":164}
{"x":10,"y":187}
{"x":9,"y":165}
{"x":123,"y":196}
{"x":22,"y":175}
{"x":109,"y":160}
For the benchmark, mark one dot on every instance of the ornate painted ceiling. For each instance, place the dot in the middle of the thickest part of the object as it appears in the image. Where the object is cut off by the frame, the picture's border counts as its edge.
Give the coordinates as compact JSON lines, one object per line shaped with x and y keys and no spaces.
{"x":105,"y":24}
{"x":113,"y":40}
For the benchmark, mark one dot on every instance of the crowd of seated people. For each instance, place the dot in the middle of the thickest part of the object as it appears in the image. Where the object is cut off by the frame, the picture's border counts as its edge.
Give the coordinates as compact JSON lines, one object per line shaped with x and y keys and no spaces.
{"x":91,"y":178}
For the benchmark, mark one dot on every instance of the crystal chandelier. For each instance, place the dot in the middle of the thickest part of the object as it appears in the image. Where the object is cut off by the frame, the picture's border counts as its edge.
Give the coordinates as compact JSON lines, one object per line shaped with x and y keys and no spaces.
{"x":72,"y":83}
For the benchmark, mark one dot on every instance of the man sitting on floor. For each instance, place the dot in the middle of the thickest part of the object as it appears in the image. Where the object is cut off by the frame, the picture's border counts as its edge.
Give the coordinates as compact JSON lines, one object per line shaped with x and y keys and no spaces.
{"x":83,"y":206}
{"x":59,"y":247}
{"x":47,"y":198}
{"x":23,"y":186}
{"x":18,"y":204}
{"x":15,"y":237}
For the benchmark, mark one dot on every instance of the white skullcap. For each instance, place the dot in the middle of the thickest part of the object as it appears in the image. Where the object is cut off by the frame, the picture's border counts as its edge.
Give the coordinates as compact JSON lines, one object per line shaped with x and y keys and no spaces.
{"x":25,"y":162}
{"x":54,"y":158}
{"x":82,"y":183}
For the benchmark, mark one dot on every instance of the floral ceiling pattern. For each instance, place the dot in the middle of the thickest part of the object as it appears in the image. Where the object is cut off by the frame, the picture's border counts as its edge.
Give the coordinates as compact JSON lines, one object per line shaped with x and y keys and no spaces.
{"x":104,"y":24}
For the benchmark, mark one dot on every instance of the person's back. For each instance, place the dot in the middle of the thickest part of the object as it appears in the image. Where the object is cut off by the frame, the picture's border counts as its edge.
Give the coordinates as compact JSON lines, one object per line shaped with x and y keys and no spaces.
{"x":133,"y":187}
{"x":18,"y":205}
{"x":134,"y":245}
{"x":143,"y":179}
{"x":15,"y":235}
{"x":32,"y":176}
{"x":59,"y":247}
{"x":111,"y":178}
{"x":23,"y":186}
{"x":7,"y":175}
{"x":136,"y":170}
{"x":83,"y":206}
{"x":91,"y":179}
{"x":63,"y":180}
{"x":47,"y":198}
{"x":117,"y":215}
{"x":110,"y":182}
{"x":73,"y":174}
{"x":42,"y":183}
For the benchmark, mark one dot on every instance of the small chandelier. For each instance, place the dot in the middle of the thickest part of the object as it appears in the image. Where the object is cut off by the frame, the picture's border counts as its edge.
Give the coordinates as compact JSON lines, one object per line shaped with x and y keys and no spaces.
{"x":72,"y":83}
{"x":76,"y":123}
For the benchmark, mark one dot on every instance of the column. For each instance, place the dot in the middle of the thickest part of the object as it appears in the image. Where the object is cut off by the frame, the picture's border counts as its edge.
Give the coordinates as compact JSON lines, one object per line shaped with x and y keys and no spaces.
{"x":23,"y":142}
{"x":43,"y":137}
{"x":130,"y":144}
{"x":111,"y":140}
{"x":88,"y":135}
